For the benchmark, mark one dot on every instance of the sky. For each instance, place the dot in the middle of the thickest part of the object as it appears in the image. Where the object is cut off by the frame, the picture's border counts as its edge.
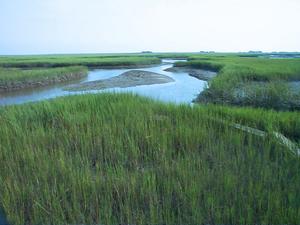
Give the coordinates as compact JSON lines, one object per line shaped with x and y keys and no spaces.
{"x":112,"y":26}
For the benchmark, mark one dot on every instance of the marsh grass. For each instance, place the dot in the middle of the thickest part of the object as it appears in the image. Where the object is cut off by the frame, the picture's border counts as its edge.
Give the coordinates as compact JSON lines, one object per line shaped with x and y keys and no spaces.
{"x":76,"y":60}
{"x":237,"y":76}
{"x":14,"y":78}
{"x":123,"y":159}
{"x":287,"y":123}
{"x":15,"y":74}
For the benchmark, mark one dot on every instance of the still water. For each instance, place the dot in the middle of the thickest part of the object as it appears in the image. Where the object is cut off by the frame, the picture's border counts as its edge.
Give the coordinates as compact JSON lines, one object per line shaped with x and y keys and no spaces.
{"x":183,"y":90}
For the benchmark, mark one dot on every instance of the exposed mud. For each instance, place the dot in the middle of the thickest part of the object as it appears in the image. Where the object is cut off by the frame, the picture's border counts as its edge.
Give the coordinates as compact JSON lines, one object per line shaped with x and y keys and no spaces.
{"x":128,"y":79}
{"x":198,"y":73}
{"x":18,"y":85}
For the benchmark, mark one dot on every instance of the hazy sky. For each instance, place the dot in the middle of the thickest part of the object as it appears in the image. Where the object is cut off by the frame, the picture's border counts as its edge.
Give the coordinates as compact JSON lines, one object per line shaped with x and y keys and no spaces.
{"x":83,"y":26}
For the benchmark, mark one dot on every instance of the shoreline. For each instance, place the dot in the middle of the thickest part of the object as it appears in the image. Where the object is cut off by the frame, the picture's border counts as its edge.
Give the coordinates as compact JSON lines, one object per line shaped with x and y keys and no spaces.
{"x":22,"y":85}
{"x":200,"y":74}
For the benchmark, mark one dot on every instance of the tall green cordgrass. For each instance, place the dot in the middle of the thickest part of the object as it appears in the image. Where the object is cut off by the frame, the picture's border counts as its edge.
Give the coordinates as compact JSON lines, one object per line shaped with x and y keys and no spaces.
{"x":249,"y":81}
{"x":123,"y":159}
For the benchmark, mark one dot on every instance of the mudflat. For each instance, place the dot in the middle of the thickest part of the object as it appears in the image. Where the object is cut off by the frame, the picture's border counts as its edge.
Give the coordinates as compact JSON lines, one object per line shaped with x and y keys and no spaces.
{"x":197,"y":73}
{"x":128,"y":79}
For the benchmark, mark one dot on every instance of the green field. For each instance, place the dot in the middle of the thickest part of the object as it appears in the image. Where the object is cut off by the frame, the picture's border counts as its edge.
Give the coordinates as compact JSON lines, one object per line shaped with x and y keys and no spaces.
{"x":250,"y":81}
{"x":123,"y":159}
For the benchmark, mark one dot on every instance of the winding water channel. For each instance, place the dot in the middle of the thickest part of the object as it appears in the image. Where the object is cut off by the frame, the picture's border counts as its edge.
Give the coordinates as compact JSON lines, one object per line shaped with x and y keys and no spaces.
{"x":183,"y":90}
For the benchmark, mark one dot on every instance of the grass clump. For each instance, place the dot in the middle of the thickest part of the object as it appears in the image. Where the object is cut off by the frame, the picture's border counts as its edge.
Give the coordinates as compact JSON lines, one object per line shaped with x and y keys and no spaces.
{"x":287,"y":123}
{"x":123,"y":159}
{"x":14,"y":78}
{"x":249,"y":69}
{"x":250,"y":81}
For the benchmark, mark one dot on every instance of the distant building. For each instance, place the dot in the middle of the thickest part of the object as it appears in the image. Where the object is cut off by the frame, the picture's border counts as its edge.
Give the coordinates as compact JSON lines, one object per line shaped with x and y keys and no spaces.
{"x":147,"y":52}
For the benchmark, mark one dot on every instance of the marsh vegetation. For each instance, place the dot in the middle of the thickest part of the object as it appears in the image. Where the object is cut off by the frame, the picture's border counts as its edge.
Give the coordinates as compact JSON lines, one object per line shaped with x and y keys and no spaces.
{"x":77,"y":60}
{"x":125,"y":159}
{"x":12,"y":79}
{"x":249,"y":81}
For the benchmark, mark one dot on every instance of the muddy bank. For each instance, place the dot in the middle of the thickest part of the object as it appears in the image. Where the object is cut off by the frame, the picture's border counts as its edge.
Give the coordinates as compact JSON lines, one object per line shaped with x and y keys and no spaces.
{"x":18,"y":85}
{"x":127,"y":79}
{"x":198,"y":73}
